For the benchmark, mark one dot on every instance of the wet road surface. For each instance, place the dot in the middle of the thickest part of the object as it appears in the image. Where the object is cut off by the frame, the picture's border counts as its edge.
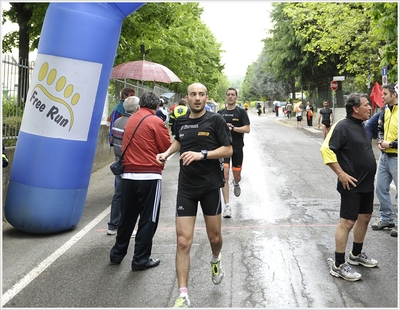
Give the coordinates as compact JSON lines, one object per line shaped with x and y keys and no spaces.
{"x":275,"y":251}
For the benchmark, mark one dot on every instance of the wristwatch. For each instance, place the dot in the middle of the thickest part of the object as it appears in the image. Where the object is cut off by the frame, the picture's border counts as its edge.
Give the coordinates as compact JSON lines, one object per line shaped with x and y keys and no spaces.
{"x":205,"y":153}
{"x":391,"y":145}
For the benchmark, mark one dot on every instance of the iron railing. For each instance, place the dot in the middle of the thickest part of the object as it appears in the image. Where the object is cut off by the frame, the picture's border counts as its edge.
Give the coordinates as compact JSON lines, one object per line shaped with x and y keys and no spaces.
{"x":14,"y":82}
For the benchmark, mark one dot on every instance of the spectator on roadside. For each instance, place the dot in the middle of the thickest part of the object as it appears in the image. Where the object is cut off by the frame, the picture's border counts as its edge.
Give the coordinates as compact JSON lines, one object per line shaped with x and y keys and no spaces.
{"x":289,"y":108}
{"x":119,"y":109}
{"x":371,"y":125}
{"x":348,"y":152}
{"x":309,"y":113}
{"x":180,"y":110}
{"x":299,"y":114}
{"x":277,"y":109}
{"x":246,"y":106}
{"x":388,"y":163}
{"x":131,"y":105}
{"x":326,"y":114}
{"x":162,"y":113}
{"x":5,"y":159}
{"x":258,"y":108}
{"x":145,"y":136}
{"x":172,"y":108}
{"x":203,"y":139}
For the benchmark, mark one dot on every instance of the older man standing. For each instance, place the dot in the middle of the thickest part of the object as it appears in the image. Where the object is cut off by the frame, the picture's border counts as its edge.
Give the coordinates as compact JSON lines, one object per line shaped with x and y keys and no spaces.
{"x":145,"y":136}
{"x":348,"y":152}
{"x":131,"y":105}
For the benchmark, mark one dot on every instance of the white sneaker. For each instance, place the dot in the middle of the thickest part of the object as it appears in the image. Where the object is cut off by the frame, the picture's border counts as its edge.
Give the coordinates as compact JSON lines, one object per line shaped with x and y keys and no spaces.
{"x":112,"y":231}
{"x":227,"y":212}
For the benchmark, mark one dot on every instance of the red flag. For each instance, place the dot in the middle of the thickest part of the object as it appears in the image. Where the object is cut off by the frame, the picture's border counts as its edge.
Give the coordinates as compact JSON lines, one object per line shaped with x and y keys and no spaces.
{"x":376,"y":95}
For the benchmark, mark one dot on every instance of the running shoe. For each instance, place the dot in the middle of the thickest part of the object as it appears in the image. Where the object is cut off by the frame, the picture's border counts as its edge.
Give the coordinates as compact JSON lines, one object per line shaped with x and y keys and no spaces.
{"x":362,"y":259}
{"x":217,"y":272}
{"x":236,"y":189}
{"x":227,"y":212}
{"x":344,"y":271}
{"x":182,"y":302}
{"x":381,"y":225}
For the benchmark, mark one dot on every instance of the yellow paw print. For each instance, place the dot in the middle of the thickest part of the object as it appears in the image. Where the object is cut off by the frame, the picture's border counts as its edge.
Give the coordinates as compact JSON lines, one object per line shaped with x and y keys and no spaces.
{"x":60,"y":85}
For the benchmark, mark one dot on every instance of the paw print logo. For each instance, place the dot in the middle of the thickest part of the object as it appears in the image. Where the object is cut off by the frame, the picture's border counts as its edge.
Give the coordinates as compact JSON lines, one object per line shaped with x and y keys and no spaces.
{"x":64,"y":94}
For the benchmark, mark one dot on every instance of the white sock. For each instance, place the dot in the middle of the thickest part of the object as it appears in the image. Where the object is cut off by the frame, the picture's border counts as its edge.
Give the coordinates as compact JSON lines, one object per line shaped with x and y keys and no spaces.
{"x":214,"y":259}
{"x":183,"y":292}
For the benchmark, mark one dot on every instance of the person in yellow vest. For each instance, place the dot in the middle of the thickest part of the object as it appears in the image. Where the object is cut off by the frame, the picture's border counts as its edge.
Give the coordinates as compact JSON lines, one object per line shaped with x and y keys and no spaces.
{"x":388,"y":163}
{"x":246,"y":106}
{"x":180,"y":110}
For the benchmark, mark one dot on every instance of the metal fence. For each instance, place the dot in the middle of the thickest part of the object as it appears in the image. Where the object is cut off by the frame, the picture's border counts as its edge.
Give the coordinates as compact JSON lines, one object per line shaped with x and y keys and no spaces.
{"x":13,"y":98}
{"x":13,"y":87}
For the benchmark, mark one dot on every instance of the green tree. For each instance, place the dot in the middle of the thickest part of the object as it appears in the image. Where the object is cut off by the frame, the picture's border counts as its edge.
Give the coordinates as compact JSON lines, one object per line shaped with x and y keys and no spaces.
{"x":28,"y":16}
{"x":172,"y":32}
{"x":384,"y":26}
{"x":312,"y":42}
{"x":330,"y":31}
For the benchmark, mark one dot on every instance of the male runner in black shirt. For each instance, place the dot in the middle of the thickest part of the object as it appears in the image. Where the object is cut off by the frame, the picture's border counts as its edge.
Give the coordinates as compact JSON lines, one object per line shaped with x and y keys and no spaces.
{"x":203,"y":140}
{"x":238,"y":123}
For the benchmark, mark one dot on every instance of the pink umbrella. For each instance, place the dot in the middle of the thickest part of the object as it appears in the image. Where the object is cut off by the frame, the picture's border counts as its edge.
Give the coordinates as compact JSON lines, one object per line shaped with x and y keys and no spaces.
{"x":143,"y":70}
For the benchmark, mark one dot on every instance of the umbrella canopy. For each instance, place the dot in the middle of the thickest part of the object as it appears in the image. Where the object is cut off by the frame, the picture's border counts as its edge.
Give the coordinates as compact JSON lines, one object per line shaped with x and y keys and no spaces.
{"x":143,"y":70}
{"x":297,"y":106}
{"x":167,"y":95}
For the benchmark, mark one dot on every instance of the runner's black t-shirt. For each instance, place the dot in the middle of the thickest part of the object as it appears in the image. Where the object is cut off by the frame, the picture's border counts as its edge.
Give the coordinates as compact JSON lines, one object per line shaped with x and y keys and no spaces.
{"x":208,"y":132}
{"x":237,"y":117}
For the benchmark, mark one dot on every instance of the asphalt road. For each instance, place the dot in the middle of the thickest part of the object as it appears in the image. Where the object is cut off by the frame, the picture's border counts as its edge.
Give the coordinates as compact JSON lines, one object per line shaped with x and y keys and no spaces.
{"x":275,"y":253}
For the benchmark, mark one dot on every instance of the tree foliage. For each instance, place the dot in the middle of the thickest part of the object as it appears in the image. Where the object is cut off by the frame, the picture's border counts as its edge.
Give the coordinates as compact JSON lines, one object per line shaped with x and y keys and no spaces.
{"x":313,"y":41}
{"x":171,"y":32}
{"x":174,"y":35}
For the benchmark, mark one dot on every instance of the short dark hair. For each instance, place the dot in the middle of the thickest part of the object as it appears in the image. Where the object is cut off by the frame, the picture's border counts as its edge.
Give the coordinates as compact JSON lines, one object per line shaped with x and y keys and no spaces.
{"x":149,"y":100}
{"x":353,"y":100}
{"x":390,"y":87}
{"x":231,"y":88}
{"x":126,"y":92}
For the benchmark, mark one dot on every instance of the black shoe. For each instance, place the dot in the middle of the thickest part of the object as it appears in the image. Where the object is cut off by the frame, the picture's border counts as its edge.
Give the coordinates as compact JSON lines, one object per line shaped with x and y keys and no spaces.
{"x":381,"y":225}
{"x":114,"y":262}
{"x":393,"y":232}
{"x":150,"y":264}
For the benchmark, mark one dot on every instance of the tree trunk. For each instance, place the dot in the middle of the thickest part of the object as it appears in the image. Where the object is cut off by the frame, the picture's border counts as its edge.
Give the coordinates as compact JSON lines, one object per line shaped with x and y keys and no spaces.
{"x":23,"y":16}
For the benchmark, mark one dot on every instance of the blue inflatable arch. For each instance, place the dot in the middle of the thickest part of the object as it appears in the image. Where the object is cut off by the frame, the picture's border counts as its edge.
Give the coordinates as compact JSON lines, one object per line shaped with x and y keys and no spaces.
{"x":57,"y":142}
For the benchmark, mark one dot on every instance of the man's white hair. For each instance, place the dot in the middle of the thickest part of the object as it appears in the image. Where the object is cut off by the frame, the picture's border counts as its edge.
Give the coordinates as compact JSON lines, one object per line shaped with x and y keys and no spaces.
{"x":131,"y":104}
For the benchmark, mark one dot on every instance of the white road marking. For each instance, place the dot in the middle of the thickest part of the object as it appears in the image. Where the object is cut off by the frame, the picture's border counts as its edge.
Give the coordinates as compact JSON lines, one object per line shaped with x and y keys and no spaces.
{"x":21,"y":284}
